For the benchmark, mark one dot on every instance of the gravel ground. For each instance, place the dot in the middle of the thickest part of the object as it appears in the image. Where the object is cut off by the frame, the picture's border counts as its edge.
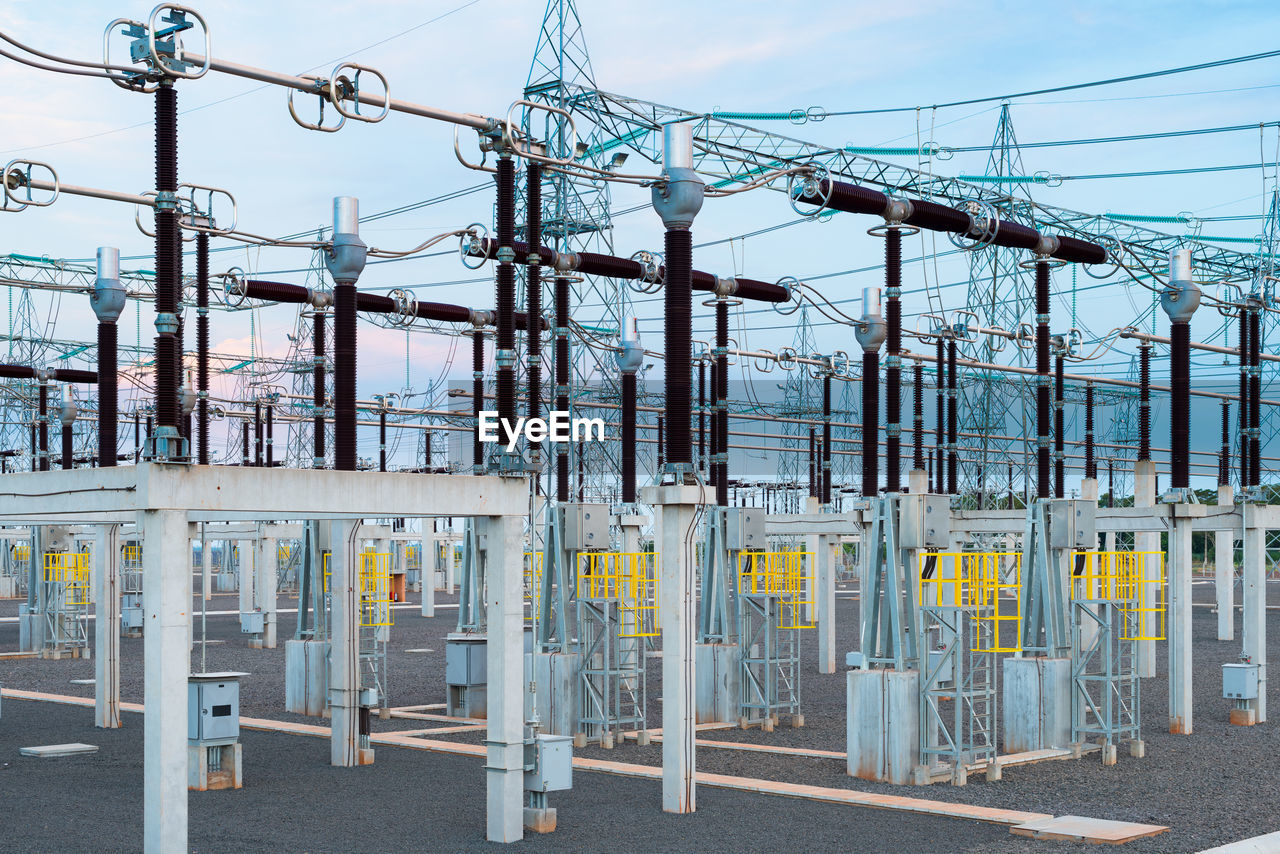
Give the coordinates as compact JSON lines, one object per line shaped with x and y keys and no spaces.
{"x":1193,"y":784}
{"x":407,"y":801}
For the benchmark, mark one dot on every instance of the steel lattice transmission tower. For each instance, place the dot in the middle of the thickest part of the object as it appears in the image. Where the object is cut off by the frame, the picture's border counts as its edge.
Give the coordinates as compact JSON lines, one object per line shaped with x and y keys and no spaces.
{"x":1000,"y":294}
{"x":575,"y":214}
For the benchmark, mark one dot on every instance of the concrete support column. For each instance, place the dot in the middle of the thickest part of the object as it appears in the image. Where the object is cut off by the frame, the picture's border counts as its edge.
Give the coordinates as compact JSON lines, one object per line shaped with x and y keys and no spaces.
{"x":1179,"y":623}
{"x":1224,"y":571}
{"x":246,"y":549}
{"x":826,"y":590}
{"x":166,"y":600}
{"x":676,"y":506}
{"x":1254,"y":624}
{"x":206,"y":569}
{"x":450,"y":567}
{"x":1109,"y":541}
{"x":265,"y":563}
{"x":427,"y":568}
{"x":344,"y":658}
{"x":1144,"y":495}
{"x":504,"y":603}
{"x":106,"y":629}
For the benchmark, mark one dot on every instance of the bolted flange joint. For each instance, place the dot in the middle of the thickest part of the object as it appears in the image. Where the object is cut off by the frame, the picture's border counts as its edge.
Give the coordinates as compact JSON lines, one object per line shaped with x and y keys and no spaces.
{"x":167,"y":323}
{"x":166,"y":200}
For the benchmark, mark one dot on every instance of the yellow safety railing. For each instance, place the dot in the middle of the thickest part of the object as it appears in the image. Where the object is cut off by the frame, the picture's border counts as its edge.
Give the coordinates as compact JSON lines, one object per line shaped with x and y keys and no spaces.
{"x":413,"y":556}
{"x":987,"y":582}
{"x":131,"y":556}
{"x":283,"y":550}
{"x":21,"y":552}
{"x":629,"y":577}
{"x":375,"y":589}
{"x":532,"y":583}
{"x":787,"y":575}
{"x":1134,"y":581}
{"x":70,"y":570}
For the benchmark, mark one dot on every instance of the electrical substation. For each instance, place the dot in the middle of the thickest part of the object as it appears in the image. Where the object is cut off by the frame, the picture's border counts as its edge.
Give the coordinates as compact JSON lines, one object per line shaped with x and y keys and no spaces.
{"x":666,"y":479}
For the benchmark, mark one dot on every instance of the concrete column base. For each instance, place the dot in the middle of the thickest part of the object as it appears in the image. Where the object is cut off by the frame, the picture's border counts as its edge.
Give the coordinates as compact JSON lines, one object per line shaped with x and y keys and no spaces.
{"x":1036,"y":704}
{"x":30,"y":630}
{"x":718,"y":695}
{"x":229,"y":776}
{"x":883,"y":724}
{"x":540,"y":820}
{"x":1243,"y":717}
{"x":306,"y":677}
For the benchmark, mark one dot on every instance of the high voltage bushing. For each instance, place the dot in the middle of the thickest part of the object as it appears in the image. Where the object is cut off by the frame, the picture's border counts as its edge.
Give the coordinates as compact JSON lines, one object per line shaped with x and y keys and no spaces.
{"x":893,"y":365}
{"x":1243,"y":417}
{"x":533,"y":296}
{"x":661,"y":444}
{"x":953,"y":421}
{"x":1144,"y":401}
{"x":561,"y":355}
{"x":167,"y":443}
{"x":720,"y":422}
{"x":870,"y":332}
{"x":317,"y":390}
{"x":505,"y":296}
{"x":917,"y":461}
{"x":345,"y":260}
{"x":702,"y":415}
{"x":714,"y":444}
{"x":257,"y":434}
{"x":1180,"y":300}
{"x":67,"y":418}
{"x":940,"y":414}
{"x":1224,"y":455}
{"x":1059,"y":428}
{"x":477,"y":397}
{"x":108,"y":301}
{"x":1255,"y":394}
{"x":202,"y":348}
{"x":813,"y":482}
{"x":1090,"y":464}
{"x":1043,"y":485}
{"x":677,"y":198}
{"x":244,"y":443}
{"x":825,"y":473}
{"x":851,"y":198}
{"x":382,"y":439}
{"x":270,"y":440}
{"x":629,"y":358}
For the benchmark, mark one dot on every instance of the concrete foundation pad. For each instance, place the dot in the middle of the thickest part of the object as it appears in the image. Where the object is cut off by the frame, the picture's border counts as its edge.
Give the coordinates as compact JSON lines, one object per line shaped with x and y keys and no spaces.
{"x":1074,"y":828}
{"x":52,"y":751}
{"x":1036,"y":703}
{"x":882,"y":724}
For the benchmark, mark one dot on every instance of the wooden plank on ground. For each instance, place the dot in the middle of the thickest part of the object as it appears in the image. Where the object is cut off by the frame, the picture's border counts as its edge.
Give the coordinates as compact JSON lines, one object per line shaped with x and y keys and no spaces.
{"x":1266,"y":844}
{"x":1075,"y":828}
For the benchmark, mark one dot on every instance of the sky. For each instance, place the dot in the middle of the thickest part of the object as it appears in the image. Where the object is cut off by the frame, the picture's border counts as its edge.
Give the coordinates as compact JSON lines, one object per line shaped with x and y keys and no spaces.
{"x":745,"y":56}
